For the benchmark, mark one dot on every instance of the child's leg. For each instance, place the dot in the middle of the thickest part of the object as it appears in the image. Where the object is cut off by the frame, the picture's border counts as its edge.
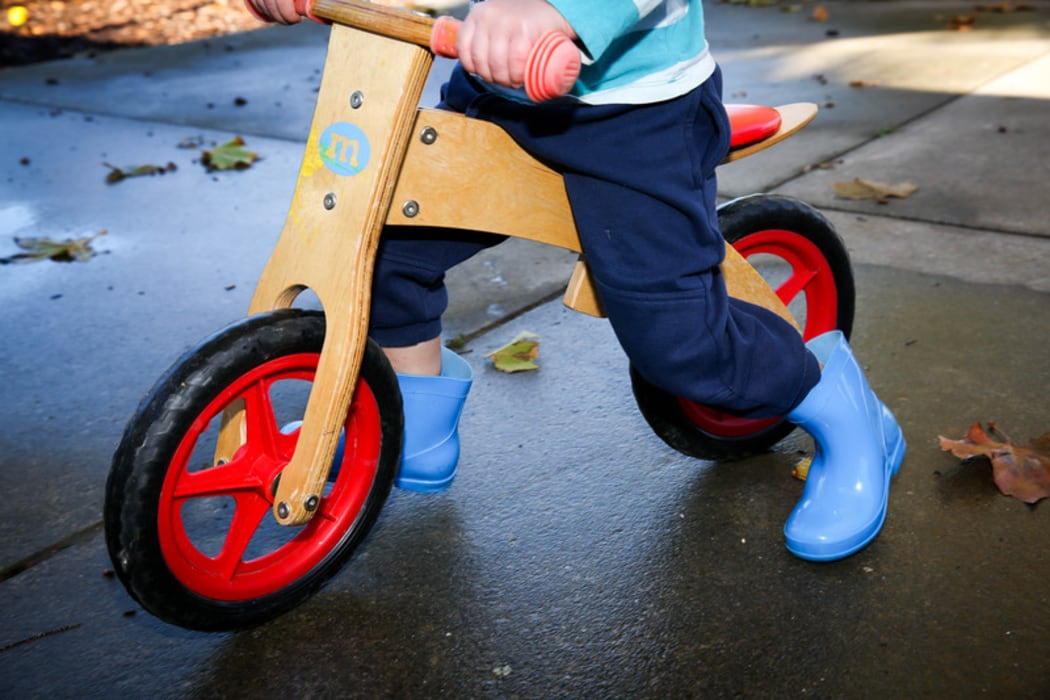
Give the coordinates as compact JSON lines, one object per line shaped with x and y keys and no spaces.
{"x":422,"y":359}
{"x":408,"y":282}
{"x":408,"y":298}
{"x":641,"y":183}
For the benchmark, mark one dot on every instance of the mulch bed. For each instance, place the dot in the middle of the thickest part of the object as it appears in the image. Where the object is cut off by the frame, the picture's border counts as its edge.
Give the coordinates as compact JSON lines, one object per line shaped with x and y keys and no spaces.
{"x":65,"y":28}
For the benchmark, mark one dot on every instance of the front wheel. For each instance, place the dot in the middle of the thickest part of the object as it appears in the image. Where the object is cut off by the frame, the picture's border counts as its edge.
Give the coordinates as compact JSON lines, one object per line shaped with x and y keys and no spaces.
{"x":803,"y":259}
{"x":191,"y":534}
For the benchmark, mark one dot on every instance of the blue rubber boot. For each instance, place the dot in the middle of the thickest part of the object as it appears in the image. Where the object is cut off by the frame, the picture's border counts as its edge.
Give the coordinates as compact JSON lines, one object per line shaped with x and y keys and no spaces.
{"x":432,"y":407}
{"x":430,"y":443}
{"x":859,"y":447}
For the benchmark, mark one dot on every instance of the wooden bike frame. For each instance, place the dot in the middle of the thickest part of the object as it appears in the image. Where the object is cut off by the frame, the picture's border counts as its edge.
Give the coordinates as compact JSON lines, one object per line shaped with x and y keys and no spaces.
{"x":374,"y":158}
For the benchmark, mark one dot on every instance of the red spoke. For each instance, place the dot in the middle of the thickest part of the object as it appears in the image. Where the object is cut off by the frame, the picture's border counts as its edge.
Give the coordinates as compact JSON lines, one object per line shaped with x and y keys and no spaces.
{"x":261,"y":419}
{"x":795,"y":284}
{"x":225,"y":479}
{"x":251,"y":509}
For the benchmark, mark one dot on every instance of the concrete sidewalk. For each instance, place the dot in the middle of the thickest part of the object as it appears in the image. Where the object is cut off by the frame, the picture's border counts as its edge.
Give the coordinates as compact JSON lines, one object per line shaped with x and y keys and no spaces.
{"x":576,"y":561}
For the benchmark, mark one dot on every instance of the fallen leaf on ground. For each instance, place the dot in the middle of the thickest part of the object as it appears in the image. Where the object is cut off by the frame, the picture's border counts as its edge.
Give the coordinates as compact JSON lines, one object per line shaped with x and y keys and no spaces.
{"x":231,"y":155}
{"x":43,"y":248}
{"x":864,"y":83}
{"x":881,"y":192}
{"x":518,"y":355}
{"x":962,"y":23}
{"x":801,"y":470}
{"x":820,"y":14}
{"x":117,"y":174}
{"x":1020,"y":472}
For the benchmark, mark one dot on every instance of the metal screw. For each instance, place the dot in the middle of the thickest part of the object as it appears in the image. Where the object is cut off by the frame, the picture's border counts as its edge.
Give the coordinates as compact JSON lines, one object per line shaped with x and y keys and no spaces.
{"x":329,"y":201}
{"x":429,"y":135}
{"x":283,"y":510}
{"x":357,"y":99}
{"x":311,"y":503}
{"x":410,"y":208}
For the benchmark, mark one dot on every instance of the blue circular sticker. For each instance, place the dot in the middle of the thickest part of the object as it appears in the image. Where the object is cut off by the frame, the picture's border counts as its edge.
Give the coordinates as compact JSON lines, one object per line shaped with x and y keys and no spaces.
{"x":345,"y":149}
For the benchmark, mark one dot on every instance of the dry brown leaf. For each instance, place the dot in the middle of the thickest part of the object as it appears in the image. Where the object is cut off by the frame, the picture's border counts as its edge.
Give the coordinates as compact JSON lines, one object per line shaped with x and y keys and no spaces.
{"x":801,"y":470}
{"x":1020,"y":472}
{"x":118,"y":174}
{"x":864,"y":83}
{"x":962,"y":23}
{"x":881,"y":192}
{"x":820,"y":14}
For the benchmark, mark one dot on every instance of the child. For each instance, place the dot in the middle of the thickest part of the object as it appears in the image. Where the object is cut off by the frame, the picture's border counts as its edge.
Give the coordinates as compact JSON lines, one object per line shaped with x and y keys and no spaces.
{"x":637,"y":140}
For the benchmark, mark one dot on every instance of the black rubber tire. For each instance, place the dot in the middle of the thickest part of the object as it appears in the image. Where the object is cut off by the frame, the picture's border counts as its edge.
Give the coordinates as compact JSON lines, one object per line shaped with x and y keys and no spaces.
{"x":165,"y":416}
{"x":738,"y":219}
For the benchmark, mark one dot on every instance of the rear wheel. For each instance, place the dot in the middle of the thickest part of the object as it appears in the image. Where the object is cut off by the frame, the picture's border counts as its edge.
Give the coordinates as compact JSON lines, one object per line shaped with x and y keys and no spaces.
{"x":799,"y":254}
{"x":192,"y":538}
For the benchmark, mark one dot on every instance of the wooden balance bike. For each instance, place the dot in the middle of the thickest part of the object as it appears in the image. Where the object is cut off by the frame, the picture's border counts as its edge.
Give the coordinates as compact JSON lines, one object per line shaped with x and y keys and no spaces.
{"x":219,"y":510}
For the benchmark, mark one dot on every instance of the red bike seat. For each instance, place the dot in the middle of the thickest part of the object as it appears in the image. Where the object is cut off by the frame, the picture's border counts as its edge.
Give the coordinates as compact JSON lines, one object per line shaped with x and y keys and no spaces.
{"x":751,"y":123}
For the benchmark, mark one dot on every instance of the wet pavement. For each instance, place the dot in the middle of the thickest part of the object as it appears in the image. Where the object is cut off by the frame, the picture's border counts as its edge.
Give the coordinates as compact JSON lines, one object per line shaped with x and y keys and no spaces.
{"x":575,"y":555}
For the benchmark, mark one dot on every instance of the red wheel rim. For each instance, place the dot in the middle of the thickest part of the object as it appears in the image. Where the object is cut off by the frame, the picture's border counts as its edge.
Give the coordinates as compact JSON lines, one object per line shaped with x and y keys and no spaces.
{"x":235,"y":572}
{"x":809,"y":274}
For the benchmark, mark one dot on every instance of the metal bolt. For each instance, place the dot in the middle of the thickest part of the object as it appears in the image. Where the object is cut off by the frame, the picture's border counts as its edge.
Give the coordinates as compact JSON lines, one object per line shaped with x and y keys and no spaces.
{"x":410,"y":208}
{"x":429,"y":135}
{"x":283,"y":510}
{"x":357,"y":99}
{"x":311,"y":503}
{"x":329,"y":201}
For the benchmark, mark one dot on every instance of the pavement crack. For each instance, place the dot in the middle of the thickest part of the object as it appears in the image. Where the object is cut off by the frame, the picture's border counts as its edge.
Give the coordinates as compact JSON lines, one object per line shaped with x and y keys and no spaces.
{"x":39,"y":636}
{"x":26,"y":563}
{"x":503,"y":320}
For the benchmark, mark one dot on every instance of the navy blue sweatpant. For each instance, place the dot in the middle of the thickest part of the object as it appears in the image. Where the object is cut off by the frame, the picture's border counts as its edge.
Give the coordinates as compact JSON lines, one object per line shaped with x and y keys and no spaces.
{"x":641,"y":182}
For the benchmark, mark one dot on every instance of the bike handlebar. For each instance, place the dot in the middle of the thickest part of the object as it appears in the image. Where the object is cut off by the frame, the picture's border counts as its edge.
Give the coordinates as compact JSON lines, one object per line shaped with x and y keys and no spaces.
{"x":552,"y":67}
{"x":551,"y":70}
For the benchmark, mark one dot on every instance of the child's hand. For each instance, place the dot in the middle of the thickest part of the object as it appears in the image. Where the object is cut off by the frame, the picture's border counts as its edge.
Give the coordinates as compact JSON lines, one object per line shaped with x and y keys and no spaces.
{"x":496,"y":38}
{"x":281,"y":11}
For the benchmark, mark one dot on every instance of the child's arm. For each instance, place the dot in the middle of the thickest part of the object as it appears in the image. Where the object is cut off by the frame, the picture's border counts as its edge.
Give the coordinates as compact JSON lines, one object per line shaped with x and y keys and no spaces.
{"x":496,"y":37}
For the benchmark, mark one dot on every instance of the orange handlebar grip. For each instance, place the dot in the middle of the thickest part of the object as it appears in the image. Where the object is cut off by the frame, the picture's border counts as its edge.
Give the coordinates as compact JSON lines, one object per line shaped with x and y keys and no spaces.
{"x":552,"y":68}
{"x":550,"y":71}
{"x":443,"y":37}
